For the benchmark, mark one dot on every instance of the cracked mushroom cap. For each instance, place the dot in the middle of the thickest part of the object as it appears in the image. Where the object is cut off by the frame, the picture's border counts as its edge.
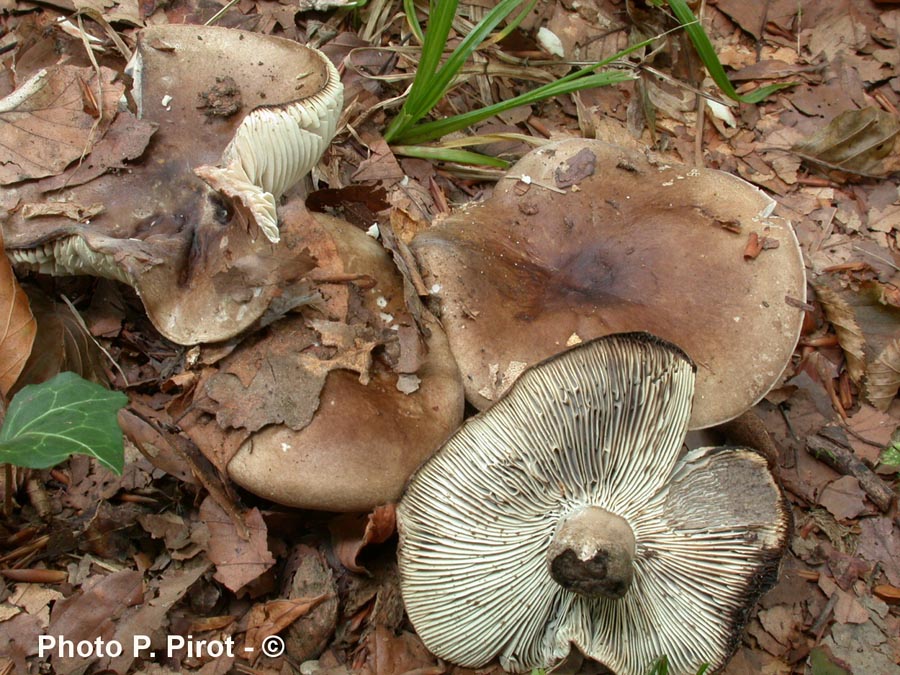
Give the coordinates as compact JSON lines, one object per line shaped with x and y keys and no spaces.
{"x":191,"y":225}
{"x":583,"y":239}
{"x":352,"y":404}
{"x":563,"y":517}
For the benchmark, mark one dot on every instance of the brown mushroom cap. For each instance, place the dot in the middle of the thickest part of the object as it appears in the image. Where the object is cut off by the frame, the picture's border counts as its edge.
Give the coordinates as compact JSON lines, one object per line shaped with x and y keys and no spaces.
{"x":365,"y":439}
{"x":583,"y":239}
{"x":196,"y":255}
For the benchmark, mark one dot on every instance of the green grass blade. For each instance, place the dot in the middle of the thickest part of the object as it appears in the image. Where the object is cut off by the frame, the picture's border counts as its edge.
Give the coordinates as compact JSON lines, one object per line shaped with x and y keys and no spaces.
{"x":707,"y":54}
{"x":448,"y":72}
{"x":409,"y":8}
{"x":448,"y":155}
{"x":432,"y":83}
{"x":512,"y":25}
{"x":429,"y":131}
{"x":441,"y":20}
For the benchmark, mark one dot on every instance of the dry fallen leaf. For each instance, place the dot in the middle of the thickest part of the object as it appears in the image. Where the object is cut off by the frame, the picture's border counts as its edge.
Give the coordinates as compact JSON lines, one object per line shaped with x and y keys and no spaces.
{"x":351,"y":533}
{"x":54,"y":119}
{"x":270,"y":618}
{"x":91,"y":613}
{"x":62,"y":343}
{"x":862,"y":142}
{"x":17,"y":326}
{"x":238,"y":561}
{"x":869,"y":333}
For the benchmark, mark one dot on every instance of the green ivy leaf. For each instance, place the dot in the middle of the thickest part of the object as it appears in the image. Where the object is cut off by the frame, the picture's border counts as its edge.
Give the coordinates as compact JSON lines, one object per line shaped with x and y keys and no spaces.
{"x":48,"y":422}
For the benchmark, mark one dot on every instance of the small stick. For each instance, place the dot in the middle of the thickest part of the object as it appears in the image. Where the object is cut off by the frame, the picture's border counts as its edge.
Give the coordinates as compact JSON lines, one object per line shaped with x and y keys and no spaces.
{"x":843,"y":460}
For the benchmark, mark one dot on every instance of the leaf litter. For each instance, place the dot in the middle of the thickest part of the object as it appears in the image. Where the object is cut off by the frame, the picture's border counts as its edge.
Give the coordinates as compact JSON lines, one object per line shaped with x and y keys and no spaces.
{"x":171,"y":548}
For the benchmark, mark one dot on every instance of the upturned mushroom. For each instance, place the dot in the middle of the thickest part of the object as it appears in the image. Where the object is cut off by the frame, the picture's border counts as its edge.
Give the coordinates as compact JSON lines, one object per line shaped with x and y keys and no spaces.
{"x":240,"y":118}
{"x":562,"y":517}
{"x":335,"y":405}
{"x":582,"y":239}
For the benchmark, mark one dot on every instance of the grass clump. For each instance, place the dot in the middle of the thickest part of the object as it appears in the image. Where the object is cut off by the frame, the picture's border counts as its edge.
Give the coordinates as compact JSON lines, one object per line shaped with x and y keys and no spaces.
{"x":434,"y":79}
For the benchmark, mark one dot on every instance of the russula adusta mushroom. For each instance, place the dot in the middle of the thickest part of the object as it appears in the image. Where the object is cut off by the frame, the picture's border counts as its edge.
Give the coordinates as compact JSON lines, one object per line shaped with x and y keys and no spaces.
{"x":335,"y":405}
{"x":562,"y":516}
{"x":582,"y":239}
{"x":199,"y":251}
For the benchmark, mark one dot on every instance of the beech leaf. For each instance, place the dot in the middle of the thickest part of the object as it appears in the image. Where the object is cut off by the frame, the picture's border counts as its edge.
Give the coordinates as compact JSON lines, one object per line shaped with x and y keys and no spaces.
{"x":883,"y":380}
{"x":857,"y":141}
{"x":54,"y":119}
{"x":17,"y":326}
{"x":48,"y":422}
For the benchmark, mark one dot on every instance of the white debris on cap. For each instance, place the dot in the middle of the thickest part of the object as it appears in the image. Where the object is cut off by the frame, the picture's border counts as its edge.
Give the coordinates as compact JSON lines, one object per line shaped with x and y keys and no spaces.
{"x":596,"y":428}
{"x":274,"y":147}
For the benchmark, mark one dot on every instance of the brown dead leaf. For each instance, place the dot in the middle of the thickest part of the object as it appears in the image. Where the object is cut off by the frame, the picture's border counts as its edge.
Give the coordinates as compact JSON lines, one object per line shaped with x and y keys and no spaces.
{"x":17,"y":326}
{"x":848,"y":609}
{"x":869,"y":334}
{"x":125,"y":140}
{"x":780,"y":622}
{"x":862,"y":142}
{"x":150,"y":618}
{"x":238,"y":561}
{"x":879,"y":541}
{"x":404,"y":653}
{"x":380,"y":166}
{"x":844,"y":498}
{"x":871,"y":432}
{"x":91,"y":613}
{"x":883,"y":379}
{"x":62,"y":343}
{"x":272,"y":617}
{"x":350,"y":533}
{"x":114,"y":11}
{"x":309,"y":575}
{"x":265,"y":382}
{"x":44,"y":126}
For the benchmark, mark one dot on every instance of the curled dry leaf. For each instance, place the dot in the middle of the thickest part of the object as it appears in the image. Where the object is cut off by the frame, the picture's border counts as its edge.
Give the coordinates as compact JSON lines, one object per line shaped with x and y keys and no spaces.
{"x":54,"y":119}
{"x":17,"y":326}
{"x":351,"y":533}
{"x":868,"y":331}
{"x":861,"y":142}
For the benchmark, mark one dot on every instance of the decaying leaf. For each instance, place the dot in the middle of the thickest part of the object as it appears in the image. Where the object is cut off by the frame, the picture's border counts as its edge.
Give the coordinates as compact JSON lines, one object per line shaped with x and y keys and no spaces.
{"x":17,"y":326}
{"x":861,"y":142}
{"x":125,"y":140}
{"x":45,"y":125}
{"x":352,"y":532}
{"x":884,"y":376}
{"x":277,"y":379}
{"x":869,"y":334}
{"x":270,"y":618}
{"x":91,"y":613}
{"x":238,"y":560}
{"x":62,"y":343}
{"x":309,"y":575}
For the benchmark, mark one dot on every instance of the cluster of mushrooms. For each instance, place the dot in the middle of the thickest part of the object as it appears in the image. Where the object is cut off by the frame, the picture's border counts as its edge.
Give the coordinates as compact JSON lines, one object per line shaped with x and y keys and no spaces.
{"x":594,"y":308}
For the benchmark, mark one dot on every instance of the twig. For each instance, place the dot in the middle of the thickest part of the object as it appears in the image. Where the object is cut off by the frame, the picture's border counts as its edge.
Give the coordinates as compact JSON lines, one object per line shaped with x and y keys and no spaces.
{"x":843,"y":460}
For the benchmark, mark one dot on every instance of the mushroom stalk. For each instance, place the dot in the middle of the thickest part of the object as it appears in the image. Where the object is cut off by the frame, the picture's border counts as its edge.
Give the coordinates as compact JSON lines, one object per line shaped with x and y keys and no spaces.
{"x":592,"y":554}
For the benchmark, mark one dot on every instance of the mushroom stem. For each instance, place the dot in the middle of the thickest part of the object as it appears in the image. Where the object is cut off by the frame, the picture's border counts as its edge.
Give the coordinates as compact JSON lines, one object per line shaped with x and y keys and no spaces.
{"x":592,"y":554}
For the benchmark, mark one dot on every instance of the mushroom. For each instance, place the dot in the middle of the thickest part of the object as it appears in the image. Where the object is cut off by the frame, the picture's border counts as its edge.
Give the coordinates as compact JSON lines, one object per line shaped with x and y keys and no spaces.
{"x":183,"y":225}
{"x":562,"y":516}
{"x":335,"y":405}
{"x":582,"y":239}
